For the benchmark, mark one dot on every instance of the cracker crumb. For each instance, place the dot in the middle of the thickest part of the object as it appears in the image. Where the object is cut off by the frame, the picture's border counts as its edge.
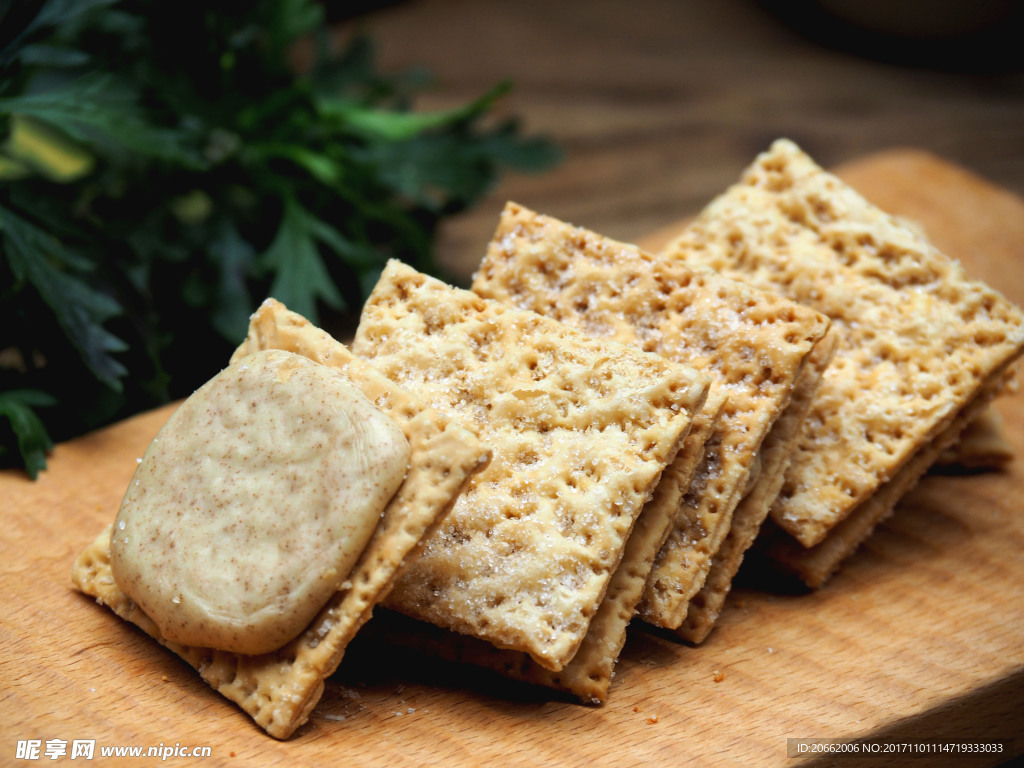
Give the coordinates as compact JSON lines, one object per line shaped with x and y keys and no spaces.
{"x":652,"y":719}
{"x":719,"y":677}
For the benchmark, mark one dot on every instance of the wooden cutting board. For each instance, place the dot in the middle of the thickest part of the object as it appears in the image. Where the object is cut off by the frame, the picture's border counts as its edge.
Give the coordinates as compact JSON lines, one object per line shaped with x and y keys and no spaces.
{"x":920,"y":636}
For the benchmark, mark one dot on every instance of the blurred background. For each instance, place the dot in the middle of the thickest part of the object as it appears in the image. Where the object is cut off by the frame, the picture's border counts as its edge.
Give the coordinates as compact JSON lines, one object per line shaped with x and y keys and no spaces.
{"x":659,"y":104}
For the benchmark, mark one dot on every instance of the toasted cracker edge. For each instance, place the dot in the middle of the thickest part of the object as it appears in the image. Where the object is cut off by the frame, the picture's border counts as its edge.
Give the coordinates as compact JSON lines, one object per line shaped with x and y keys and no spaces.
{"x":815,"y":565}
{"x":706,"y":606}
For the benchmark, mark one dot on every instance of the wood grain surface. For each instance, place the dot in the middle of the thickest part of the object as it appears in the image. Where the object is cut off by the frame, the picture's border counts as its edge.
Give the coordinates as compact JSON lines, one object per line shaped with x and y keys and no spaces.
{"x":918,"y":637}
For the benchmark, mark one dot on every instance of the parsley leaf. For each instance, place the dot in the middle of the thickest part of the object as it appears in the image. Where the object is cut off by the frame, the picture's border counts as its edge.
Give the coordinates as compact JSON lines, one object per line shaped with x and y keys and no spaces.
{"x":17,"y":406}
{"x":300,"y":277}
{"x":40,"y":260}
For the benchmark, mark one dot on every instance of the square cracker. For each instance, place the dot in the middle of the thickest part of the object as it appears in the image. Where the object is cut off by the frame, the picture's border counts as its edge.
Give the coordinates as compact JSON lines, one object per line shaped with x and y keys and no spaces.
{"x":918,"y":341}
{"x":981,"y":446}
{"x":814,"y":565}
{"x":582,"y":430}
{"x":753,"y":343}
{"x":280,"y":689}
{"x":588,"y":676}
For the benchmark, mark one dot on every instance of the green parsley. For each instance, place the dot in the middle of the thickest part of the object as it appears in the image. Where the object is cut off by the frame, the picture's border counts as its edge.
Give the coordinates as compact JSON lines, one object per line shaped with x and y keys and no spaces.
{"x":163,"y":168}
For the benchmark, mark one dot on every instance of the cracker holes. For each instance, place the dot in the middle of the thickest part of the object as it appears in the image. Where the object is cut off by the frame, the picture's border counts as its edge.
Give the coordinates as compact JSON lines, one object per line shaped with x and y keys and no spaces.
{"x":989,"y":337}
{"x":527,"y":457}
{"x":663,"y":286}
{"x":583,"y":301}
{"x":496,"y":601}
{"x":796,"y":215}
{"x":822,"y":209}
{"x":774,"y":178}
{"x":457,"y":535}
{"x":650,"y":453}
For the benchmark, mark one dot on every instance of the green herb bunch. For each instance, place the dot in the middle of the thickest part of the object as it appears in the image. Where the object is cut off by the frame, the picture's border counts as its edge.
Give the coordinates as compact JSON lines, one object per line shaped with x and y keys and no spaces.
{"x":164,"y":167}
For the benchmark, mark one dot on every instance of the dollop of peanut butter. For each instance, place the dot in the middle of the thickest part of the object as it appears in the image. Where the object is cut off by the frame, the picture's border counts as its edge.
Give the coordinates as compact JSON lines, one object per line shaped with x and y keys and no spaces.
{"x":253,"y":503}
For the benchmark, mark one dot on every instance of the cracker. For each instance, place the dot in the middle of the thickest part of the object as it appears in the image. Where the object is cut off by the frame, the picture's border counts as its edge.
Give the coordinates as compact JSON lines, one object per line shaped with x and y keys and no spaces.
{"x":752,"y":342}
{"x":707,"y":604}
{"x":919,"y":339}
{"x":581,"y":429}
{"x":588,"y":675}
{"x":981,"y":446}
{"x":280,"y":689}
{"x":814,"y":565}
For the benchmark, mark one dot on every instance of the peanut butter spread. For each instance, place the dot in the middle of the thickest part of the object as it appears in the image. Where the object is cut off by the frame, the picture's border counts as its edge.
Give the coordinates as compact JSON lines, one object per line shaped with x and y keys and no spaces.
{"x":253,"y":503}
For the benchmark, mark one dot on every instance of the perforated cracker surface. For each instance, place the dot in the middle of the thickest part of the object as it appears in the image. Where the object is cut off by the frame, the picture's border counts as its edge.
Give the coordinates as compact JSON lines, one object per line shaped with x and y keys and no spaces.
{"x":589,"y":674}
{"x":752,"y":342}
{"x":918,"y":337}
{"x":280,"y":689}
{"x":581,"y":431}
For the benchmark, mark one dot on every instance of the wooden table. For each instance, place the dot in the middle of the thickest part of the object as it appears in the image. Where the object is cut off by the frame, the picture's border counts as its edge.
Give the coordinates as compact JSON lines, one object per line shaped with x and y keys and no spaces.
{"x":918,"y":637}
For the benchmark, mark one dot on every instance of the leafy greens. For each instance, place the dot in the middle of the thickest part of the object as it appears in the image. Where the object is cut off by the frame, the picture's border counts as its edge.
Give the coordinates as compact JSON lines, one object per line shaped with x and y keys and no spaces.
{"x":164,"y":166}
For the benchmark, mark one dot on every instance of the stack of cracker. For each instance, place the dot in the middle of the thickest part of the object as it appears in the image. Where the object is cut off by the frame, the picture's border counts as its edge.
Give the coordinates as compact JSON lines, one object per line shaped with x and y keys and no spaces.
{"x":766,"y":355}
{"x":922,"y":348}
{"x":598,"y":433}
{"x":544,"y":555}
{"x":279,"y":689}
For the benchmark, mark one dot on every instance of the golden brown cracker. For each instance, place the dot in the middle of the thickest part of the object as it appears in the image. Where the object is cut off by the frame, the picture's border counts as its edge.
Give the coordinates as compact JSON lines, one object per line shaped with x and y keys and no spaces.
{"x":919,"y":338}
{"x":815,"y":565}
{"x":581,"y":430}
{"x":753,"y":343}
{"x":588,"y":675}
